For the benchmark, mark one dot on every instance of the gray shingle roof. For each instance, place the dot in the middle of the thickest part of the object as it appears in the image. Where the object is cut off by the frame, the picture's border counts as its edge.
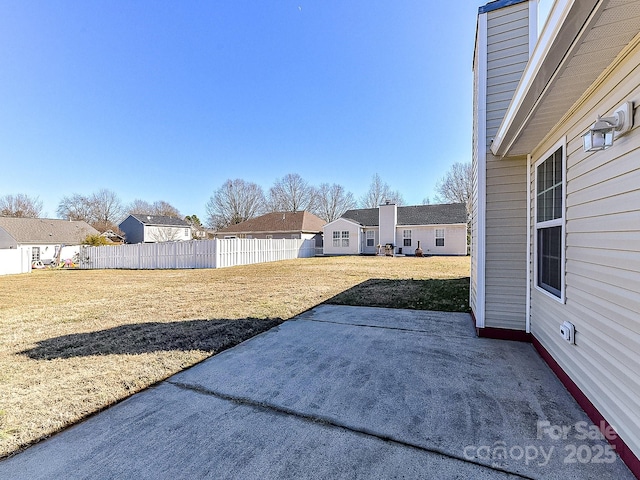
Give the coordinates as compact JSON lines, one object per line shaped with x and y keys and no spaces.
{"x":46,"y":230}
{"x":160,"y":220}
{"x":447,"y":213}
{"x":363,"y":216}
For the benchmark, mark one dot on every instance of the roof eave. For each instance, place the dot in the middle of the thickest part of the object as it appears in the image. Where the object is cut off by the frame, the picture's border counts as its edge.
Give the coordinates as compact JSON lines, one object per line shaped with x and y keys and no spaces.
{"x":566,"y":19}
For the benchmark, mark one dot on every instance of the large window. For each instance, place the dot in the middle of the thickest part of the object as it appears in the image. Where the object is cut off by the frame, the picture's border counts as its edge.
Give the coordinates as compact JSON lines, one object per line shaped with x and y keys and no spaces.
{"x":550,"y":222}
{"x":370,"y":238}
{"x":406,"y":237}
{"x":336,"y":239}
{"x":35,"y":254}
{"x":439,"y":237}
{"x":345,"y":238}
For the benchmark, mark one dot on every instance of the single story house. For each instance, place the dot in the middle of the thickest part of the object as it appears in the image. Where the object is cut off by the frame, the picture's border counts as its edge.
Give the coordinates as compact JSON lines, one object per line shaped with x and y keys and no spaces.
{"x":438,"y":229}
{"x":303,"y":225}
{"x":555,"y":251}
{"x":48,"y":238}
{"x":139,"y":228}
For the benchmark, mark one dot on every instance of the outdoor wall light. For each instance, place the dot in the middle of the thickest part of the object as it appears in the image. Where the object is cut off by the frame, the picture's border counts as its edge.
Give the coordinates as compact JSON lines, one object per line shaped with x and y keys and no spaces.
{"x":602,"y":133}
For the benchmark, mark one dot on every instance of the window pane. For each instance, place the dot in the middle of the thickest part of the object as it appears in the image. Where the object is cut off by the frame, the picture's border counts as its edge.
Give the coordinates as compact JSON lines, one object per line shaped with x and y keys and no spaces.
{"x":550,"y":259}
{"x":549,"y":188}
{"x":557,"y":201}
{"x":557,"y":160}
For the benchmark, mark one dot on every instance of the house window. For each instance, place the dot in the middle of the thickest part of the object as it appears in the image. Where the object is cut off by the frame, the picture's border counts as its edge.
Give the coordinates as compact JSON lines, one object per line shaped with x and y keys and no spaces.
{"x":439,"y":237}
{"x":35,"y":254}
{"x":268,"y":237}
{"x":336,"y":239}
{"x":186,"y":232}
{"x":406,"y":236}
{"x":550,"y":222}
{"x":345,"y":238}
{"x":370,"y":238}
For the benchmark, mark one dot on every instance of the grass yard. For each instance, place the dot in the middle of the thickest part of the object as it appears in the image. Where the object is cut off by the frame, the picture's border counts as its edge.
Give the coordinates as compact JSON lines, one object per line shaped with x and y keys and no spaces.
{"x":74,"y":342}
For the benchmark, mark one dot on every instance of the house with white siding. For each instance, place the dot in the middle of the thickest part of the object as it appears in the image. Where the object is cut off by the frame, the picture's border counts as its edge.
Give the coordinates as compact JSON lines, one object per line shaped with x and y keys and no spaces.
{"x":48,"y":239}
{"x":140,"y":228}
{"x":437,"y":229}
{"x":555,"y":249}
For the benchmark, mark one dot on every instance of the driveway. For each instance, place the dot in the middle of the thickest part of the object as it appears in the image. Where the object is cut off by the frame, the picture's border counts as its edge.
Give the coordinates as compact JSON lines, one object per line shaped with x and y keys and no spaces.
{"x":342,"y":392}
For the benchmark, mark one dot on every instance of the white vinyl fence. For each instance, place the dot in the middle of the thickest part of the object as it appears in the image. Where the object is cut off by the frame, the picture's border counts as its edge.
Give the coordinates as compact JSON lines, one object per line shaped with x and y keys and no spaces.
{"x":15,"y":260}
{"x":195,"y":254}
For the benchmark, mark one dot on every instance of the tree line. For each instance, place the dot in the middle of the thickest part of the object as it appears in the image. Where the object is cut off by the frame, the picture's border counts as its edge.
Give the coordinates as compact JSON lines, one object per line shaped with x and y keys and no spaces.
{"x":238,"y":200}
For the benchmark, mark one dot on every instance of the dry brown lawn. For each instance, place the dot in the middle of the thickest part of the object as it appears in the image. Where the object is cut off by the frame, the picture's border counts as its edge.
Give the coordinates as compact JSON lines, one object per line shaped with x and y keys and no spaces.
{"x":74,"y":342}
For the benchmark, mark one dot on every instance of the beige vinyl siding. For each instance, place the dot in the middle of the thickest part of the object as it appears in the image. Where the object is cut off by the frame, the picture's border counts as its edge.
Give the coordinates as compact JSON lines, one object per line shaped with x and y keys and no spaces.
{"x":507,"y":53}
{"x":504,"y":213}
{"x":602,"y":258}
{"x":506,"y":235}
{"x":507,"y":56}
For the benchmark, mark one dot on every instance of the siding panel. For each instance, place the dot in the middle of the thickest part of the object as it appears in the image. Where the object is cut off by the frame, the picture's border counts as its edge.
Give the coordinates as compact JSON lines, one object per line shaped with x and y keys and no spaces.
{"x":602,"y":261}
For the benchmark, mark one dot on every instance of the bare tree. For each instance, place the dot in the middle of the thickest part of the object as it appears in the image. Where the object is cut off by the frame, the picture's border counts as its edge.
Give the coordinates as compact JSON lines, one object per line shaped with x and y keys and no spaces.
{"x":234,"y":202}
{"x":166,"y":209}
{"x":332,"y":201}
{"x":456,"y":185}
{"x":380,"y":192}
{"x":75,"y":207}
{"x":20,"y":205}
{"x":102,"y":209}
{"x":291,"y":193}
{"x":106,"y":208}
{"x":141,"y":207}
{"x":159,"y":207}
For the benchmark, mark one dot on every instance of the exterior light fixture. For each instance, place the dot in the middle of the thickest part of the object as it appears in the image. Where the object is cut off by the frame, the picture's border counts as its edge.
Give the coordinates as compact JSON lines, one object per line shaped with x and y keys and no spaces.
{"x":602,"y":133}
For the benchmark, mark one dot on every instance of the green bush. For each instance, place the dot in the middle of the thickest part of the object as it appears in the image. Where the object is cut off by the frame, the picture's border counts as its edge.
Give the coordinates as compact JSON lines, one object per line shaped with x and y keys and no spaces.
{"x":96,"y":241}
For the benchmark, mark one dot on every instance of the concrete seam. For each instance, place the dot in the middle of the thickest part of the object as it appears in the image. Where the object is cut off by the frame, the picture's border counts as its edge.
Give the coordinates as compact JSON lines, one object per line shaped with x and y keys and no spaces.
{"x":334,"y":423}
{"x":390,"y":328}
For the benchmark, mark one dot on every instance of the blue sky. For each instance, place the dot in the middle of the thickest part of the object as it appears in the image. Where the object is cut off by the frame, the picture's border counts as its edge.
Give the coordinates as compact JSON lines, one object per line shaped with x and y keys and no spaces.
{"x":167,"y":100}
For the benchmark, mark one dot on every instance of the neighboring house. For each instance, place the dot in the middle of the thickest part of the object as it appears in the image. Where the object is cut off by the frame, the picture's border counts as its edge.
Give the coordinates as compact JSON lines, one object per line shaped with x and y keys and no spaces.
{"x":303,"y":225}
{"x":556,"y":225}
{"x":139,"y":228}
{"x":44,"y":236}
{"x":439,"y":229}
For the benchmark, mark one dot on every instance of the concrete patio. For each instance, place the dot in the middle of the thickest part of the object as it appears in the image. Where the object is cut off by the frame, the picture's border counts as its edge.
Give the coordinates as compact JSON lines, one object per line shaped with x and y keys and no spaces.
{"x":342,"y":392}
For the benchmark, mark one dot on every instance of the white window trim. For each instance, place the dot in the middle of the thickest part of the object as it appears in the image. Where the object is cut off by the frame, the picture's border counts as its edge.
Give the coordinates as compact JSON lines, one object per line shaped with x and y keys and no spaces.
{"x":336,"y":242}
{"x":344,"y":237}
{"x":406,"y":235}
{"x":370,"y":235}
{"x":562,"y":222}
{"x":442,"y":237}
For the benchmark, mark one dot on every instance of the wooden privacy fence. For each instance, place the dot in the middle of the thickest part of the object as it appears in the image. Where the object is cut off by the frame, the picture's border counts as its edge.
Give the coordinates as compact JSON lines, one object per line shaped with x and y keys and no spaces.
{"x":194,"y":254}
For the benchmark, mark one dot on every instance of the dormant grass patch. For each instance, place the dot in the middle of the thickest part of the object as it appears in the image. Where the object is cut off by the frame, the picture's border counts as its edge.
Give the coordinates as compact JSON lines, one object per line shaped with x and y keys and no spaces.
{"x":74,"y":342}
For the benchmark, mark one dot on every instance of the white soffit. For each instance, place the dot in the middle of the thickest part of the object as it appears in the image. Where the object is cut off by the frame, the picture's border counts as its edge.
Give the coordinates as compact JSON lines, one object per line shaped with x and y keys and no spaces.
{"x":580,"y":40}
